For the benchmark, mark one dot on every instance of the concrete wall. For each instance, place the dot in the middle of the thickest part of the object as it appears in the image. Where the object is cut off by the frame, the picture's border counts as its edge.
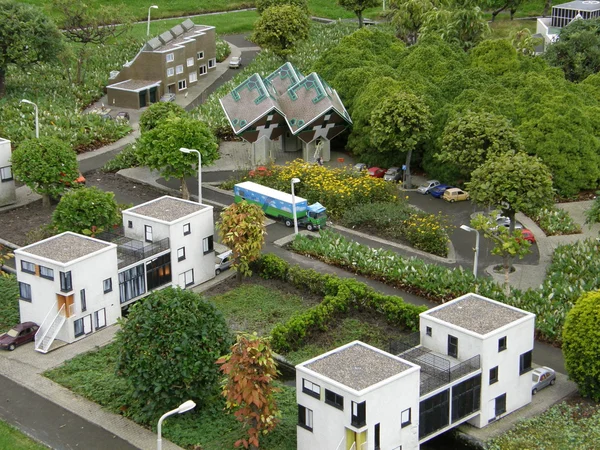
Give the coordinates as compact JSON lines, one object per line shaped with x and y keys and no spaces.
{"x":7,"y":186}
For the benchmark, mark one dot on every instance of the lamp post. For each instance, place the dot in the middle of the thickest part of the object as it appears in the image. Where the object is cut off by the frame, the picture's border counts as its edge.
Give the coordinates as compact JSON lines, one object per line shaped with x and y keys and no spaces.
{"x":37,"y":123}
{"x":467,"y":228}
{"x":184,"y":407}
{"x":294,"y":181}
{"x":150,"y":9}
{"x":191,"y":150}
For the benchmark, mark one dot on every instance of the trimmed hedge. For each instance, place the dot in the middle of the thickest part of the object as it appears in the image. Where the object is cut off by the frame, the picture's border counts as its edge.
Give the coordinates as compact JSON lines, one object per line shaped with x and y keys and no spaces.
{"x":340,"y":296}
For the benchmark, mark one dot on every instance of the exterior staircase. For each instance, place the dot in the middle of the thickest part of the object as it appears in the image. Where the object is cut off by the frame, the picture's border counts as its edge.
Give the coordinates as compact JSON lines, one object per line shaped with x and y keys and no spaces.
{"x":49,"y":329}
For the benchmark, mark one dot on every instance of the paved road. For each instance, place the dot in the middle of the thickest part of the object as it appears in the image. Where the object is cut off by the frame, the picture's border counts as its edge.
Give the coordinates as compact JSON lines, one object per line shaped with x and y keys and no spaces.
{"x":47,"y":422}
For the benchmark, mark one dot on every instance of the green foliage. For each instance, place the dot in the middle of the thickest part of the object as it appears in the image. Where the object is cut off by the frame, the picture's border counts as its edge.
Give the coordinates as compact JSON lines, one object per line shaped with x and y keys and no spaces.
{"x":159,"y":148}
{"x":575,"y":52}
{"x":168,"y":347}
{"x":358,"y":7}
{"x":248,"y":387}
{"x":125,"y":159}
{"x":86,"y":211}
{"x":398,"y":220}
{"x":341,"y":295}
{"x":409,"y":16}
{"x":471,"y":138}
{"x":496,"y":56}
{"x":223,"y":49}
{"x":592,"y":215}
{"x":280,"y":28}
{"x":242,"y":229}
{"x":564,"y":426}
{"x":554,"y":221}
{"x":158,"y":113}
{"x":262,"y":5}
{"x":46,"y":165}
{"x":581,"y":344}
{"x":28,"y":37}
{"x":12,"y":438}
{"x":9,"y":302}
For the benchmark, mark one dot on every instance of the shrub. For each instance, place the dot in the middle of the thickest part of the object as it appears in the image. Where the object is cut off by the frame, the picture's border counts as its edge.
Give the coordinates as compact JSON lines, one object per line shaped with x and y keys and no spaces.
{"x":157,"y":113}
{"x":555,"y":221}
{"x":581,"y":344}
{"x":223,"y":49}
{"x":125,"y":159}
{"x":168,"y":347}
{"x":9,"y":302}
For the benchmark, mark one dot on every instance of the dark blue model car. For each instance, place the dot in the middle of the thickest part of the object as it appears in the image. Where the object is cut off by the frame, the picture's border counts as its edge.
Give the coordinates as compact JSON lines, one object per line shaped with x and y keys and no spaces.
{"x":439,"y":190}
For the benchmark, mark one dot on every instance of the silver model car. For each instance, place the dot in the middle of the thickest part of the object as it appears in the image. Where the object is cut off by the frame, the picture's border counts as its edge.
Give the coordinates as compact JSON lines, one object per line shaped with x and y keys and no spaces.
{"x":223,"y":261}
{"x":542,"y":377}
{"x":235,"y":62}
{"x":424,"y":188}
{"x":393,"y":174}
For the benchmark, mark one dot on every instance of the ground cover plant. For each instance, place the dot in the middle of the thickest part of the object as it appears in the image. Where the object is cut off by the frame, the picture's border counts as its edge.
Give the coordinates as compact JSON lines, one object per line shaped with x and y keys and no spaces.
{"x":575,"y":269}
{"x":401,"y":222}
{"x":564,"y":426}
{"x":12,"y":438}
{"x":9,"y":302}
{"x":555,"y":221}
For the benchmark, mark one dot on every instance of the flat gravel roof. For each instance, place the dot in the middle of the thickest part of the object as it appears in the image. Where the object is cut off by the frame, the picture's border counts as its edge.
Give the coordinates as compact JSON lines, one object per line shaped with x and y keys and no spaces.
{"x":168,"y":209}
{"x":66,"y":248}
{"x":477,"y":314}
{"x":358,"y":367}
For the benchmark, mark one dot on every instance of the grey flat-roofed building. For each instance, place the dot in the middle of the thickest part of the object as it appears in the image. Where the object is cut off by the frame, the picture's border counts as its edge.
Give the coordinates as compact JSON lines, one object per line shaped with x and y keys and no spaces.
{"x":167,"y":209}
{"x":66,"y":247}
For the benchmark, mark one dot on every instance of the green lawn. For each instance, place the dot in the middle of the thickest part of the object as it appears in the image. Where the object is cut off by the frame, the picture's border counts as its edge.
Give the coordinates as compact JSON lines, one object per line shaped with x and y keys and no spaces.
{"x":9,"y":304}
{"x":13,"y":439}
{"x":504,"y":29}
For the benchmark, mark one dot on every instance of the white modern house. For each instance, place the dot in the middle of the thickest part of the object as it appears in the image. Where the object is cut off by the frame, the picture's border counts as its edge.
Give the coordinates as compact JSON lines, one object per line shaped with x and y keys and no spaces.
{"x":7,"y":183}
{"x":469,"y":362}
{"x":563,"y":14}
{"x":73,"y":285}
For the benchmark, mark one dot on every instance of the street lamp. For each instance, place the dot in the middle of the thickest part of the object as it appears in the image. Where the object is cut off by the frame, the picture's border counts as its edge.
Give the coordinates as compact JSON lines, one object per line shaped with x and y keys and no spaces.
{"x":191,"y":150}
{"x":467,"y":228}
{"x":184,"y":407}
{"x":294,"y":181}
{"x":37,"y":123}
{"x":150,"y":9}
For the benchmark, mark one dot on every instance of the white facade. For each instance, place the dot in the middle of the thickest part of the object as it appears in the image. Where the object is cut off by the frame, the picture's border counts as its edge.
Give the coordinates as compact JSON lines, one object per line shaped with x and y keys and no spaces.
{"x":330,"y":397}
{"x":7,"y":182}
{"x":188,"y":226}
{"x":72,"y":276}
{"x":479,"y":324}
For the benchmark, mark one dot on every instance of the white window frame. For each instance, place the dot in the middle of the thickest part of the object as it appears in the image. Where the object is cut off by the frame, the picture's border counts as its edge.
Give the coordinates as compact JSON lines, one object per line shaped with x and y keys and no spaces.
{"x":212,"y":63}
{"x":179,"y":69}
{"x":181,"y":254}
{"x":187,"y":229}
{"x":179,"y":85}
{"x":190,"y":62}
{"x":170,"y":71}
{"x":6,"y":173}
{"x":148,"y":233}
{"x":170,"y":57}
{"x":405,"y":418}
{"x":100,"y":318}
{"x":202,"y":70}
{"x":193,"y":77}
{"x":188,"y":277}
{"x":200,"y":55}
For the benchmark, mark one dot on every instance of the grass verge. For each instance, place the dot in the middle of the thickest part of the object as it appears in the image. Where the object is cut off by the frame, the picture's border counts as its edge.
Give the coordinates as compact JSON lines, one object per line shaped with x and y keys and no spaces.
{"x":13,"y":439}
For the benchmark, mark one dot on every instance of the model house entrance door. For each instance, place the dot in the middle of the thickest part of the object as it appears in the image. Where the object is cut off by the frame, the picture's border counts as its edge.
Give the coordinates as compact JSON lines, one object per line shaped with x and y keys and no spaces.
{"x":142,"y":99}
{"x":87,"y":324}
{"x":171,"y":89}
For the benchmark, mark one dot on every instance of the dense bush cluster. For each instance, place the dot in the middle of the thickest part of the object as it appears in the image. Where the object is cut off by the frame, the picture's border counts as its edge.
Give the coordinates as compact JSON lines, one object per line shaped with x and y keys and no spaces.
{"x":554,"y":221}
{"x":575,"y":269}
{"x":340,"y":296}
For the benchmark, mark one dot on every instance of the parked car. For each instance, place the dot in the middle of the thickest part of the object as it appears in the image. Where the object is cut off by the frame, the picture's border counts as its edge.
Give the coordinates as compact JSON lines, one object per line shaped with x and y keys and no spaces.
{"x":393,"y":174}
{"x":426,"y":187}
{"x":18,"y":335}
{"x":168,"y":98}
{"x":235,"y":62}
{"x":542,"y":377}
{"x":223,"y":261}
{"x":359,"y":167}
{"x":455,"y":195}
{"x":528,"y":235}
{"x":438,"y":191}
{"x":122,"y":115}
{"x":376,"y":172}
{"x":504,"y":221}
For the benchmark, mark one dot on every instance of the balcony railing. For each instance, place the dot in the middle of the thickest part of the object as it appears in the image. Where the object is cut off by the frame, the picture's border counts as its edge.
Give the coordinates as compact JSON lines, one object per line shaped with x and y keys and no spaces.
{"x":130,"y":251}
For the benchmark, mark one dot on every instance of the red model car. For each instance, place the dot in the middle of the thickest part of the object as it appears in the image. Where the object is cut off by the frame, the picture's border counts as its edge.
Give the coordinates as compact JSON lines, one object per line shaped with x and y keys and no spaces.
{"x":528,"y":235}
{"x":18,"y":335}
{"x":376,"y":172}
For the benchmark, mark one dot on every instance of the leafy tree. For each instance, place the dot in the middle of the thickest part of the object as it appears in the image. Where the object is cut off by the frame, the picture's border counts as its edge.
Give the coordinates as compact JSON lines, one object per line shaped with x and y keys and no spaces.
{"x":513,"y":181}
{"x":85,"y":26}
{"x":157,"y":113}
{"x":248,"y":386}
{"x":500,"y":5}
{"x":408,"y":16}
{"x":358,"y":7}
{"x":508,"y":244}
{"x":471,"y":138}
{"x":47,"y":165}
{"x":262,"y":5}
{"x":398,"y":125}
{"x":242,"y":229}
{"x":167,"y":350}
{"x":279,"y":28}
{"x":576,"y":51}
{"x":524,"y":42}
{"x":86,"y":211}
{"x":159,"y":148}
{"x":350,"y":82}
{"x":5,"y":254}
{"x":581,"y":344}
{"x":27,"y":37}
{"x":496,"y":56}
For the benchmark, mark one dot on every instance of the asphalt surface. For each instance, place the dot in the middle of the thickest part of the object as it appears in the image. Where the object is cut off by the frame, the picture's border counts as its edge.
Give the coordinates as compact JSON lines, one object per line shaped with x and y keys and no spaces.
{"x":51,"y":424}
